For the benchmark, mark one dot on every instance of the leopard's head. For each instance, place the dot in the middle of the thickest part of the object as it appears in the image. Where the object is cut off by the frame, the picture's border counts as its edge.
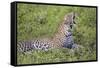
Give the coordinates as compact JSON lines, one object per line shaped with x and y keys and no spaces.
{"x":69,"y":20}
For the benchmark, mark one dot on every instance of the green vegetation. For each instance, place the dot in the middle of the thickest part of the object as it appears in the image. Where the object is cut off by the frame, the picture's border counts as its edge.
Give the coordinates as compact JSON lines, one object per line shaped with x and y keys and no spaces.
{"x":54,"y":56}
{"x":35,"y":21}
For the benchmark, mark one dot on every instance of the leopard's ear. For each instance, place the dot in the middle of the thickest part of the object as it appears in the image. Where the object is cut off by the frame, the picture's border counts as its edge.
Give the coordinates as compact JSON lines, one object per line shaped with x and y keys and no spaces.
{"x":73,"y":14}
{"x":76,"y":15}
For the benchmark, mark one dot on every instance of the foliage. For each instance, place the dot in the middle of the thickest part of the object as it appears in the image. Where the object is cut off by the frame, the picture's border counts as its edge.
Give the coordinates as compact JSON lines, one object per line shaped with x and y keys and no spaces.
{"x":35,"y":21}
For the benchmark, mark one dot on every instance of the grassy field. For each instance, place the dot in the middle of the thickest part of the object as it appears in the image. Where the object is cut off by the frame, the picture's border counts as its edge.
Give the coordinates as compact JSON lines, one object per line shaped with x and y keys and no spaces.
{"x":55,"y":55}
{"x":36,"y":21}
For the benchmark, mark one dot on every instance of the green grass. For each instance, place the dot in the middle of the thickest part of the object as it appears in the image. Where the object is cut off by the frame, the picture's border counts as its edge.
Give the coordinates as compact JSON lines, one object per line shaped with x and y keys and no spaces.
{"x":54,"y":56}
{"x":35,"y":21}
